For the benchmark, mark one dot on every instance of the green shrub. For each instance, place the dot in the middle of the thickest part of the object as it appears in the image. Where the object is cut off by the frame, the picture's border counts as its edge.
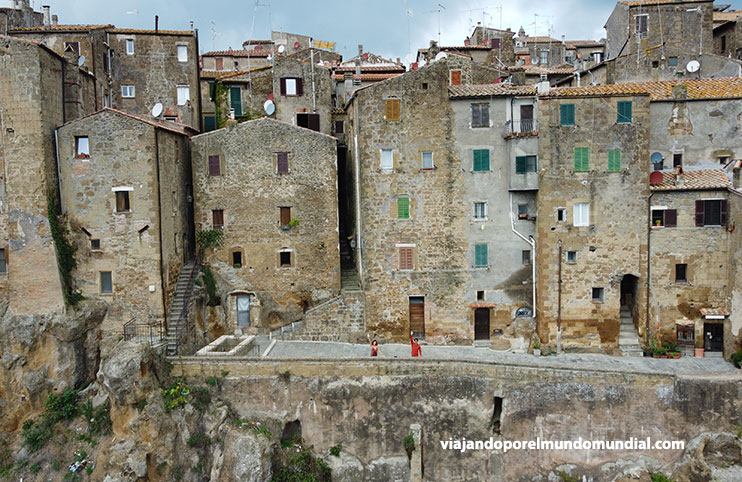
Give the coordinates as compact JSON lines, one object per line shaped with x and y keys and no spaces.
{"x":210,"y":285}
{"x":737,"y":357}
{"x":35,"y":468}
{"x":212,"y":381}
{"x":176,"y":395}
{"x":210,"y":239}
{"x":409,"y":444}
{"x":200,"y":398}
{"x":66,"y":262}
{"x":568,"y":478}
{"x":199,"y":440}
{"x":141,"y":404}
{"x":335,"y":450}
{"x":62,"y":407}
{"x":36,"y":434}
{"x":659,"y":477}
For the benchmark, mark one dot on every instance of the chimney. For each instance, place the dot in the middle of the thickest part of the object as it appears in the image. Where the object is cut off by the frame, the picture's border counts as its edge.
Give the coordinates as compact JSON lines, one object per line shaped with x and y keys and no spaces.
{"x":55,"y":20}
{"x":47,"y":18}
{"x":543,"y":87}
{"x":563,"y":41}
{"x":737,"y":175}
{"x":679,"y":177}
{"x":433,"y":50}
{"x":360,"y":49}
{"x":157,"y":23}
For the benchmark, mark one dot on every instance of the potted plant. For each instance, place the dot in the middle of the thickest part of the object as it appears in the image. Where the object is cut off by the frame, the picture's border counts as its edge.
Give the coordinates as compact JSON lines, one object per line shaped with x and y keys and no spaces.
{"x":671,"y":349}
{"x":647,"y":350}
{"x":737,"y":358}
{"x":294,"y":223}
{"x":537,"y":348}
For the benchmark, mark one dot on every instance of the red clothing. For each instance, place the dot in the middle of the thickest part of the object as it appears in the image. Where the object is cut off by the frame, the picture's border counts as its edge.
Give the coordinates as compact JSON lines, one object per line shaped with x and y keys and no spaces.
{"x":416,"y":349}
{"x":374,"y":350}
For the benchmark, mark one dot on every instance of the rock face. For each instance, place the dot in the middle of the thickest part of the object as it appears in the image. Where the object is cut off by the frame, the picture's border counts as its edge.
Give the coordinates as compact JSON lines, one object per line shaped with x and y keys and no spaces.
{"x":711,"y":456}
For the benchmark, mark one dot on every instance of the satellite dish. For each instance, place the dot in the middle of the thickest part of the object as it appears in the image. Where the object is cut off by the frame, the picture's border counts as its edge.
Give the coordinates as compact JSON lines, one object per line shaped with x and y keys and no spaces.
{"x":693,"y":66}
{"x":296,"y":45}
{"x":81,"y":61}
{"x":441,"y":55}
{"x":157,"y":110}
{"x":656,"y":157}
{"x":269,"y":58}
{"x":281,"y":49}
{"x":534,"y":61}
{"x":269,"y":107}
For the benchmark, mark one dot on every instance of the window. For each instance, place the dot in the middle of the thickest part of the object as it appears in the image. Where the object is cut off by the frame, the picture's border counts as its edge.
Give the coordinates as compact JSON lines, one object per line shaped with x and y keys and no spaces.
{"x":427,"y":161}
{"x":243,"y":310}
{"x":561,"y":214}
{"x":567,"y":114}
{"x":598,"y":294}
{"x":406,"y":261}
{"x":658,"y":166}
{"x":522,"y":211}
{"x":480,"y":115}
{"x":292,"y":86}
{"x":723,"y":160}
{"x":182,"y":53}
{"x":308,"y":120}
{"x":284,"y":259}
{"x":481,"y":160}
{"x":184,"y":94}
{"x":215,"y":166}
{"x":285,"y":215}
{"x":526,"y":256}
{"x":82,"y":146}
{"x":571,"y":256}
{"x":723,"y":44}
{"x":75,"y":47}
{"x":544,"y":57}
{"x":624,"y":112}
{"x":677,"y":160}
{"x":672,"y":61}
{"x":339,"y":127}
{"x":681,"y":273}
{"x":495,"y":43}
{"x":95,"y":244}
{"x":237,"y":259}
{"x":387,"y":160}
{"x":582,"y":159}
{"x":641,"y":24}
{"x":480,"y":295}
{"x":455,"y":77}
{"x":480,"y":255}
{"x":209,"y":123}
{"x":614,"y":160}
{"x":655,"y":64}
{"x":217,"y":219}
{"x":392,"y":110}
{"x":581,"y":214}
{"x":3,"y":261}
{"x":597,"y":57}
{"x":403,"y":208}
{"x":524,"y":164}
{"x":127,"y":91}
{"x":219,"y":63}
{"x":106,"y":283}
{"x":425,"y":86}
{"x":235,"y":100}
{"x":480,"y":211}
{"x":664,"y":217}
{"x":122,"y":202}
{"x":712,"y":212}
{"x":282,"y":162}
{"x":129,"y":46}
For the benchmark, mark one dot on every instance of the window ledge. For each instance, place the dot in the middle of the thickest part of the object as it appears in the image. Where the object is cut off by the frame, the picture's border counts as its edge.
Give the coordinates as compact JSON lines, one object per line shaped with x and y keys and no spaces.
{"x":598,"y":302}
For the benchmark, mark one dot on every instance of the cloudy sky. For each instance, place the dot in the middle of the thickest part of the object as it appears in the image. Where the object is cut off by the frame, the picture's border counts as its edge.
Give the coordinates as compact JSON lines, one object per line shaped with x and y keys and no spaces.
{"x":391,"y":28}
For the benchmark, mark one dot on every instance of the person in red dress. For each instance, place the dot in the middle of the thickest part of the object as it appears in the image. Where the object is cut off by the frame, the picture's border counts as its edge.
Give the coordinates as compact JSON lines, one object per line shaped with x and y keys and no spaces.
{"x":416,"y":349}
{"x":375,"y":348}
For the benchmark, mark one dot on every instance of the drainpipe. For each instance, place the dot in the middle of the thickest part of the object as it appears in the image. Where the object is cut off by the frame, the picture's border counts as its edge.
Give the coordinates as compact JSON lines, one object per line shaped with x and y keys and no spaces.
{"x":649,"y":263}
{"x":314,"y":90}
{"x":159,"y":223}
{"x":559,"y":302}
{"x":357,"y":164}
{"x":59,"y":170}
{"x":532,"y":242}
{"x":577,"y":76}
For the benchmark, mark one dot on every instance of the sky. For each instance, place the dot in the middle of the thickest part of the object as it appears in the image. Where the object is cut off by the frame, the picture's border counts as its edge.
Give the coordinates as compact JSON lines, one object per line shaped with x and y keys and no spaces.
{"x":390,"y":28}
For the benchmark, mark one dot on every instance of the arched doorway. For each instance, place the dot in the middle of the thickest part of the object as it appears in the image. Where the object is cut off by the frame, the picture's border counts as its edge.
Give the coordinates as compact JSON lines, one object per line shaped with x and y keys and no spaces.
{"x":482,"y":324}
{"x":629,"y":285}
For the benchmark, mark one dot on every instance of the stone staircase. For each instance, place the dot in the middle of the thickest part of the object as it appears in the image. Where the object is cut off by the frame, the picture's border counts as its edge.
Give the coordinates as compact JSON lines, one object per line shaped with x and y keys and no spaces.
{"x":178,"y":314}
{"x":628,"y":340}
{"x":349,"y":280}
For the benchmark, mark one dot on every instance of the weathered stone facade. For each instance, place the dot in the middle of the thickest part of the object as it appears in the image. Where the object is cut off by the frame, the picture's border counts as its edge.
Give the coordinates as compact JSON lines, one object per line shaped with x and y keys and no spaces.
{"x":142,"y":242}
{"x":282,"y":252}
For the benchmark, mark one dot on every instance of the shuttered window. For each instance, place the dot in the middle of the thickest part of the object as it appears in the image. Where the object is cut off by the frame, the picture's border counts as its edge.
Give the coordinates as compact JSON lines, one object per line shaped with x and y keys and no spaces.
{"x":405,"y":258}
{"x":480,"y":255}
{"x":235,"y":100}
{"x":581,"y":214}
{"x":282,"y":162}
{"x":122,"y":202}
{"x":481,"y":160}
{"x":291,"y":86}
{"x":215,"y":166}
{"x":403,"y":208}
{"x":712,"y":212}
{"x":217,"y":219}
{"x":219,"y":63}
{"x":524,"y":164}
{"x":480,"y":115}
{"x":3,"y":261}
{"x":671,"y":218}
{"x":614,"y":160}
{"x":285,"y":215}
{"x":392,"y":110}
{"x":455,"y":77}
{"x":582,"y":159}
{"x":567,"y":114}
{"x":624,"y":112}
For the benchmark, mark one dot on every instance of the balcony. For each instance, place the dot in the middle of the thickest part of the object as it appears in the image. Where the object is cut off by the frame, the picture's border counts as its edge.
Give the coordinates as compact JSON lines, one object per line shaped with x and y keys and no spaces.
{"x":521,"y":128}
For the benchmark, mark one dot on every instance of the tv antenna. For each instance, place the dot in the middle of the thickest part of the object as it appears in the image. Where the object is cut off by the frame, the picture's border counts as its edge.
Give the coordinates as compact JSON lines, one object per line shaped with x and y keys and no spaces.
{"x":440,"y":8}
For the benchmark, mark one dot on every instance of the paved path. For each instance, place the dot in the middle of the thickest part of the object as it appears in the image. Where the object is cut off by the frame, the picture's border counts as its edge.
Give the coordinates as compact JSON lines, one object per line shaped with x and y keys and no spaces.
{"x":586,"y":361}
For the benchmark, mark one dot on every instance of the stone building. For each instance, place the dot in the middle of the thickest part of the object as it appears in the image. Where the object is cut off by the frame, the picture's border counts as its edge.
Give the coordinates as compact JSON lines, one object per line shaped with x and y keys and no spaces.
{"x":500,"y":42}
{"x":364,"y":69}
{"x":19,"y":15}
{"x":728,"y":33}
{"x":541,"y":50}
{"x":272,"y":188}
{"x":128,"y":202}
{"x":235,"y":60}
{"x":592,"y":230}
{"x":584,"y":54}
{"x":41,"y":89}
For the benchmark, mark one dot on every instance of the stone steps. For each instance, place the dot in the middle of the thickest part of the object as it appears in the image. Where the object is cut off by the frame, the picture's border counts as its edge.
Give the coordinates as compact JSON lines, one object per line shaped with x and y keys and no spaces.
{"x":628,"y":340}
{"x":179,"y":302}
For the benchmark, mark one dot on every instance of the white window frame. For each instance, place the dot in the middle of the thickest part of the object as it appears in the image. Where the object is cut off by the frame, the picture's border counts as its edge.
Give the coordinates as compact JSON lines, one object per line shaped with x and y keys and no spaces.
{"x":636,"y":24}
{"x":432,"y":161}
{"x":564,"y":217}
{"x":386,"y":167}
{"x":80,"y":149}
{"x":600,"y":299}
{"x":581,"y":214}
{"x":543,"y":57}
{"x":100,"y":283}
{"x":182,"y":48}
{"x":183,"y":99}
{"x":291,"y":86}
{"x":130,"y":46}
{"x":128,"y":91}
{"x":571,"y":253}
{"x":484,"y":203}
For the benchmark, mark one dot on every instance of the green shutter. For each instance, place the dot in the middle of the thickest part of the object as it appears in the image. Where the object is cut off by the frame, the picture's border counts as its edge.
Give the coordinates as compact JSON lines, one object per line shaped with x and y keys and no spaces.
{"x":567,"y":114}
{"x":614,"y":160}
{"x":624,"y":112}
{"x":235,"y":96}
{"x":212,"y":91}
{"x":403,"y":208}
{"x":480,"y":255}
{"x":582,"y":159}
{"x":481,"y":160}
{"x":520,"y":164}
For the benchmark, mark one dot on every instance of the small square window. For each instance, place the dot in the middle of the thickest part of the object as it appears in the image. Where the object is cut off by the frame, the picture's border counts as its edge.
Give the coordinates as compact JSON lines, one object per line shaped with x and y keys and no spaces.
{"x":672,"y":61}
{"x":480,"y":295}
{"x":387,"y":160}
{"x":74,"y":46}
{"x":425,"y":86}
{"x":129,"y":46}
{"x":106,"y":282}
{"x":127,"y":91}
{"x":655,"y":64}
{"x":481,"y":160}
{"x":237,"y":259}
{"x":339,"y":127}
{"x":182,"y":53}
{"x":217,"y":219}
{"x":82,"y":146}
{"x":598,"y":294}
{"x":285,"y":259}
{"x":480,"y":211}
{"x":95,"y":244}
{"x":522,"y":211}
{"x":427,"y":161}
{"x":561,"y":215}
{"x":526,"y":256}
{"x":571,"y":256}
{"x":681,"y":273}
{"x":723,"y":160}
{"x":122,"y":202}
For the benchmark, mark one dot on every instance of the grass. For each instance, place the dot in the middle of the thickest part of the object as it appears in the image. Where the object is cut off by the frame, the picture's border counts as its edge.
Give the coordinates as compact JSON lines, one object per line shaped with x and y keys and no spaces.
{"x":409,"y":444}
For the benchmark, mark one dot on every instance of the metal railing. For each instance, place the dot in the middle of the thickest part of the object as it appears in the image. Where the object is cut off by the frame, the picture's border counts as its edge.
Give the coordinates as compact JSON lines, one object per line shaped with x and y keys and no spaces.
{"x":148,"y":332}
{"x":180,"y":325}
{"x":523,"y":126}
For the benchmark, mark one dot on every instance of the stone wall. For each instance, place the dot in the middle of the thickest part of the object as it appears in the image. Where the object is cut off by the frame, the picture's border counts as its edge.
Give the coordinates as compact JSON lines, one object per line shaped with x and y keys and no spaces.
{"x":735,"y":269}
{"x":338,"y":319}
{"x":317,"y":92}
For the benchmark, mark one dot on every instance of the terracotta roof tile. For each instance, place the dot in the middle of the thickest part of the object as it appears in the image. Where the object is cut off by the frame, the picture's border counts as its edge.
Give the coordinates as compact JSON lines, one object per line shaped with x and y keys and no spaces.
{"x":65,"y":28}
{"x":152,"y":32}
{"x":541,"y":40}
{"x":721,"y":88}
{"x":694,"y":180}
{"x":371,"y":68}
{"x":586,"y":43}
{"x":489,"y":90}
{"x":714,"y":312}
{"x":628,"y":88}
{"x":370,"y":77}
{"x":171,"y":126}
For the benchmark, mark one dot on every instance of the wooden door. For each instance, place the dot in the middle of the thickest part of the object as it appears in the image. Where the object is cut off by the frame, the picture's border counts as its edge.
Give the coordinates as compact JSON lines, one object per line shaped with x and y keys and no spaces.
{"x":713,"y":334}
{"x":417,"y":315}
{"x":482,"y":324}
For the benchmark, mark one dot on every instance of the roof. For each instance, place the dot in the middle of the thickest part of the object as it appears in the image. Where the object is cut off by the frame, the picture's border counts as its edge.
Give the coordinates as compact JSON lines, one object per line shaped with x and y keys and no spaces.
{"x":694,"y":180}
{"x":559,"y":69}
{"x":714,"y":312}
{"x":540,"y":40}
{"x":189,"y":33}
{"x":61,"y":28}
{"x":489,"y":90}
{"x":660,"y":90}
{"x":638,"y":3}
{"x":729,"y":16}
{"x":370,"y":77}
{"x":170,"y":126}
{"x":262,"y":120}
{"x":586,"y":43}
{"x":237,"y":53}
{"x":371,"y":68}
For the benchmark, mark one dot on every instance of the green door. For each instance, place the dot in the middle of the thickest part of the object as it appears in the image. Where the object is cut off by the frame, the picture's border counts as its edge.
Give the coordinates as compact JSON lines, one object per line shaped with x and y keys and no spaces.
{"x":235,"y":100}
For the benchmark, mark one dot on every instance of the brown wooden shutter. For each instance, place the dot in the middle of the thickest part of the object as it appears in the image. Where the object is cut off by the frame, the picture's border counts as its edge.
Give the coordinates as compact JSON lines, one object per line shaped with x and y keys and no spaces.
{"x":217,"y":219}
{"x":455,"y":77}
{"x":285,"y":216}
{"x":313,"y":122}
{"x":671,"y":218}
{"x":392,"y":109}
{"x":405,"y":258}
{"x":417,"y":315}
{"x":214,"y":166}
{"x":219,"y":64}
{"x":723,"y":208}
{"x":299,"y":86}
{"x":282,"y":162}
{"x":283,"y":86}
{"x":700,"y":205}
